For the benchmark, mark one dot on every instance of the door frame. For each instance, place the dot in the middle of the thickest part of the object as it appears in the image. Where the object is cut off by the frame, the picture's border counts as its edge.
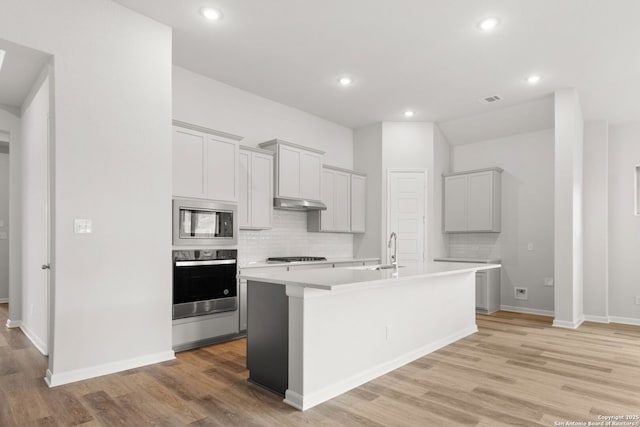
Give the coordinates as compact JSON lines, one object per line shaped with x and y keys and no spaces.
{"x":427,"y":195}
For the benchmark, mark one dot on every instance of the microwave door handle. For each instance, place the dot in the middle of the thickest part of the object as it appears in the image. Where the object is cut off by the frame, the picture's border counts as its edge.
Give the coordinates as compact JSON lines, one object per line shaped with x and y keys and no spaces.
{"x":207,"y":262}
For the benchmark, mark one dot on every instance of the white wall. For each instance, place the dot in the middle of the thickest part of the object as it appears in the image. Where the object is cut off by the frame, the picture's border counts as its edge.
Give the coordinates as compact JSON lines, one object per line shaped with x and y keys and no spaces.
{"x":407,"y":145}
{"x":112,"y":294}
{"x":596,"y":221}
{"x":624,"y":226}
{"x":11,"y":122}
{"x":202,"y":101}
{"x":4,"y":217}
{"x":367,"y":153}
{"x":568,"y":232}
{"x":439,"y":241}
{"x":206,"y":102}
{"x":527,"y":214}
{"x":34,"y":142}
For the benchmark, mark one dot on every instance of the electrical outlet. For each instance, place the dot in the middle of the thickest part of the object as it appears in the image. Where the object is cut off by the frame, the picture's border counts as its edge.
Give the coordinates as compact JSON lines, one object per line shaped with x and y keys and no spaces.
{"x":530,"y":246}
{"x":520,"y":293}
{"x":637,"y":299}
{"x":548,"y":281}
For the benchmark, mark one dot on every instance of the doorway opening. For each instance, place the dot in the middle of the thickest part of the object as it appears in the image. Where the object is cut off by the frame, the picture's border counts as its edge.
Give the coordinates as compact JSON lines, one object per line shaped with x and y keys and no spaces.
{"x":26,"y":144}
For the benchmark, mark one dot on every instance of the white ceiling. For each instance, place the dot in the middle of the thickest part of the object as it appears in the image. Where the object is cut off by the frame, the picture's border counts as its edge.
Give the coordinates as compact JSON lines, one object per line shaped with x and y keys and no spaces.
{"x":19,"y":71}
{"x":500,"y":122}
{"x":425,"y":55}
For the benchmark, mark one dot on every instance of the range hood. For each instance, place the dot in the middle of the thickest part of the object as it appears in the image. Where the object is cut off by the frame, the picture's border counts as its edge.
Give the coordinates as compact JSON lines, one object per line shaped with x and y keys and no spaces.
{"x":297,"y":205}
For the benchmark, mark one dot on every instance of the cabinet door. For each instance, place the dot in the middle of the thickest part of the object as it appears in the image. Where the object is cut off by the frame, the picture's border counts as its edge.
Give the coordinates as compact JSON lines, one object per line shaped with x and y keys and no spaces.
{"x":341,"y":201}
{"x":289,"y":179}
{"x":188,"y":163}
{"x":244,"y":191}
{"x":261,"y":190}
{"x":481,"y":291}
{"x":327,"y":216}
{"x":222,"y":170}
{"x":480,"y":201}
{"x":242,"y":292}
{"x":455,"y":203}
{"x":310,"y":176}
{"x":358,"y":203}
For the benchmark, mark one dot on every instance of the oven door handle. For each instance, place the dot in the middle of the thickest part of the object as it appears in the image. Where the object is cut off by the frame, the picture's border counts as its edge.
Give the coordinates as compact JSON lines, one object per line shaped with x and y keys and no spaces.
{"x":207,"y":262}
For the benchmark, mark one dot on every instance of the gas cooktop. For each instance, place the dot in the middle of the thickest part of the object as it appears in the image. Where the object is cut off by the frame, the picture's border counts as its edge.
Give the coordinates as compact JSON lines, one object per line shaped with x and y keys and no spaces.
{"x":296,"y":258}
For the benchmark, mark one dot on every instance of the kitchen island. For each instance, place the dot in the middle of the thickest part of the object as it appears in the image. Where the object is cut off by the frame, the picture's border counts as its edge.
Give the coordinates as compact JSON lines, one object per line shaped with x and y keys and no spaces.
{"x":315,"y":334}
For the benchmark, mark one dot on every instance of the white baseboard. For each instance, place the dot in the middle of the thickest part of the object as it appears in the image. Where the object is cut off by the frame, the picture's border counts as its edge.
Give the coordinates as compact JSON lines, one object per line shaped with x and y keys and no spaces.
{"x":4,"y":300}
{"x":596,"y":319}
{"x":527,"y":310}
{"x":625,"y":320}
{"x":56,"y":379}
{"x":35,"y":340}
{"x":566,"y":324}
{"x":13,"y":323}
{"x":310,"y":400}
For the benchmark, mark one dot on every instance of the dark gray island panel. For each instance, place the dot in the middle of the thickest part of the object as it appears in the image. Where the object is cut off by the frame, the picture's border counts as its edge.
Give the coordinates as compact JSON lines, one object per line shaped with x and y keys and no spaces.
{"x":268,"y":335}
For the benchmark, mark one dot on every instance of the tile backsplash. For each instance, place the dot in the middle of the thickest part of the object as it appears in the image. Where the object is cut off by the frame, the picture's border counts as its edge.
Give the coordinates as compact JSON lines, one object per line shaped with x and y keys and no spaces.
{"x":475,"y":245}
{"x":289,"y":237}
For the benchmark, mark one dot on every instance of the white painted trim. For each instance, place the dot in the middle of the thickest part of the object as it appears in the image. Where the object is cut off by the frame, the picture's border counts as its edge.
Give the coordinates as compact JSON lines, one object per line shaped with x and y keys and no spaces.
{"x":56,"y":379}
{"x":4,"y":300}
{"x":567,"y":325}
{"x":309,"y":401}
{"x":527,"y":310}
{"x":207,"y":130}
{"x":596,"y":319}
{"x":625,"y":320}
{"x":13,"y":323}
{"x":35,"y":340}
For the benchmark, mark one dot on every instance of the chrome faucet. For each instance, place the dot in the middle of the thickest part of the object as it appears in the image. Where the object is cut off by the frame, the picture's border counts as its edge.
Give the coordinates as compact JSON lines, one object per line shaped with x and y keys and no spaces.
{"x":394,"y":257}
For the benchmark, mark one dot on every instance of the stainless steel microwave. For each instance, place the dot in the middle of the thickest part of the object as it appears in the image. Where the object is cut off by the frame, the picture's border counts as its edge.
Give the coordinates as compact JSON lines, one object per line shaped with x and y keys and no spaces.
{"x":204,"y":223}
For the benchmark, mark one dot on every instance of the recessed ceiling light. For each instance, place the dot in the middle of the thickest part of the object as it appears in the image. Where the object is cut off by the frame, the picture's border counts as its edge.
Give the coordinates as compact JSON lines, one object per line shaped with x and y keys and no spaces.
{"x":2,"y":54}
{"x":488,"y":24}
{"x":409,"y":113}
{"x":345,"y":81}
{"x":533,"y":79}
{"x":211,"y":14}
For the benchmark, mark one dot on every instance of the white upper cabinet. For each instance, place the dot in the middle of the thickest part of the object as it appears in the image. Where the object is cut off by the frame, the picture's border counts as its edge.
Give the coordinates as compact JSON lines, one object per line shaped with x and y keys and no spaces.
{"x":256,"y":188}
{"x":189,"y":163}
{"x":472,"y":201}
{"x":358,"y":203}
{"x":343,"y":193}
{"x":298,"y":170}
{"x":205,"y":163}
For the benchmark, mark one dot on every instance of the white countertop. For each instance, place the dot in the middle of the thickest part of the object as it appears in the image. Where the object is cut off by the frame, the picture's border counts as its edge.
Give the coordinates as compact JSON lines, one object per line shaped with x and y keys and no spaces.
{"x":475,"y":260}
{"x":261,"y":264}
{"x":354,"y":277}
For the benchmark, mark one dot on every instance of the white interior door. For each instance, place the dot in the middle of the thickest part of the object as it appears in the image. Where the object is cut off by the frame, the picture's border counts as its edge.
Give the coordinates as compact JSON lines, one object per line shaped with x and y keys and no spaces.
{"x":406,"y":204}
{"x":35,"y":226}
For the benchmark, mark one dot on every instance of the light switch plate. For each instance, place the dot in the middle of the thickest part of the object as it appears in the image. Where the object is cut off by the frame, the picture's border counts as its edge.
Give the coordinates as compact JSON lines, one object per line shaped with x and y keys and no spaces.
{"x":548,"y":281}
{"x":82,"y":226}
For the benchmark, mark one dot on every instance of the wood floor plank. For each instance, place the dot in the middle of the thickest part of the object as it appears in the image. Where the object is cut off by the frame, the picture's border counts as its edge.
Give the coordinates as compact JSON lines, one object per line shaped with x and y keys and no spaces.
{"x":517,"y":370}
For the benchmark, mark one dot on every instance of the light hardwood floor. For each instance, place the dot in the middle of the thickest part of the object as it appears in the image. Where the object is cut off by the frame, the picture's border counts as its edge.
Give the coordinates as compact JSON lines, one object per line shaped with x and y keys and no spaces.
{"x":517,"y":370}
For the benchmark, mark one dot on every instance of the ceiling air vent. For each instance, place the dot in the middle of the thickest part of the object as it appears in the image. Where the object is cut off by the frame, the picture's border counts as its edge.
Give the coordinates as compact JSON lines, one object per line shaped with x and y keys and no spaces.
{"x":490,"y":99}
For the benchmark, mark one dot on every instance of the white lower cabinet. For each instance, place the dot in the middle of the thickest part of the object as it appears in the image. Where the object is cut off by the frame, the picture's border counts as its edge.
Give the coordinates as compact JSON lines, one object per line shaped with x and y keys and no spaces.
{"x":488,"y":291}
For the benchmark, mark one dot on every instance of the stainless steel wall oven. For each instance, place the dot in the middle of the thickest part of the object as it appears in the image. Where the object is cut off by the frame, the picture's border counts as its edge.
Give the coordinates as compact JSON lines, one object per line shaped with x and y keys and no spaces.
{"x":204,"y":282}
